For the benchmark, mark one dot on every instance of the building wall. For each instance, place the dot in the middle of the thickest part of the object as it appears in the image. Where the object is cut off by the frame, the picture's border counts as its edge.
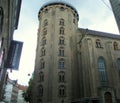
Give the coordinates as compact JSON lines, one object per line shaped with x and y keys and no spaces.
{"x":90,"y":70}
{"x":89,"y":52}
{"x":52,"y":56}
{"x":9,"y":16}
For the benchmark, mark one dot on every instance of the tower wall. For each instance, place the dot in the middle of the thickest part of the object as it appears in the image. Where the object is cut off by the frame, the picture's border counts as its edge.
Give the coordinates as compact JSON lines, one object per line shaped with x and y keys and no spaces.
{"x":56,"y":58}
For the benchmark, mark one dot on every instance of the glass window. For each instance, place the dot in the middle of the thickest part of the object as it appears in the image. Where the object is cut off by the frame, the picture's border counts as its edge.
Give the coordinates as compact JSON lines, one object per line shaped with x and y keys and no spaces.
{"x":61,"y":64}
{"x":98,"y":44}
{"x":43,"y":52}
{"x":62,"y":22}
{"x":62,"y":91}
{"x":44,"y":41}
{"x":42,"y":64}
{"x":102,"y":69}
{"x":61,"y":51}
{"x":61,"y":41}
{"x":62,"y":9}
{"x":41,"y":77}
{"x":61,"y":76}
{"x":40,"y":88}
{"x":45,"y":22}
{"x":61,"y":30}
{"x":115,"y":44}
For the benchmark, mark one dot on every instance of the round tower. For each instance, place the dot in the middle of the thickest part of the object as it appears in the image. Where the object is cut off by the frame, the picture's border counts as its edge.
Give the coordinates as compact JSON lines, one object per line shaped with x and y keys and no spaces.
{"x":55,"y":65}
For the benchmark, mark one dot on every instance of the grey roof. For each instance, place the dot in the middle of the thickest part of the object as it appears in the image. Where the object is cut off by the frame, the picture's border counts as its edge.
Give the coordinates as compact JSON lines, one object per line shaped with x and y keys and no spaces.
{"x":60,"y":2}
{"x":99,"y":33}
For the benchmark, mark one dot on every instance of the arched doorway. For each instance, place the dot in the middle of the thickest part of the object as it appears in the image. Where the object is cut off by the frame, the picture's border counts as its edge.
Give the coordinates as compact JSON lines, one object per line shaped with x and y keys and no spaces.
{"x":108,"y":97}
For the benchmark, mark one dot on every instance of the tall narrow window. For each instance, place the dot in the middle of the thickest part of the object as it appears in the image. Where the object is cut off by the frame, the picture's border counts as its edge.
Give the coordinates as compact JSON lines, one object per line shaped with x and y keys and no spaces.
{"x":118,"y":66}
{"x":61,"y":64}
{"x":43,"y":41}
{"x":45,"y":22}
{"x":61,"y":76}
{"x":61,"y":30}
{"x":102,"y":70}
{"x":62,"y":91}
{"x":98,"y":44}
{"x":115,"y":44}
{"x":61,"y":41}
{"x":62,"y":22}
{"x":41,"y":76}
{"x":61,"y":51}
{"x":1,"y":19}
{"x":43,"y":52}
{"x":44,"y":31}
{"x":40,"y":88}
{"x":42,"y":64}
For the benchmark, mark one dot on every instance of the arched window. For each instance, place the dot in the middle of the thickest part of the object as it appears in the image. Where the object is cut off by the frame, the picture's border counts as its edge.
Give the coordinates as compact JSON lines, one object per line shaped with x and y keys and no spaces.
{"x":42,"y":64}
{"x":1,"y":19}
{"x":41,"y":76}
{"x":62,"y":22}
{"x":61,"y":51}
{"x":102,"y":70}
{"x":62,"y":8}
{"x":43,"y":52}
{"x":61,"y":41}
{"x":61,"y":30}
{"x":115,"y":44}
{"x":61,"y":64}
{"x":43,"y":41}
{"x":45,"y":22}
{"x":61,"y":76}
{"x":62,"y":91}
{"x":40,"y":89}
{"x":98,"y":44}
{"x":118,"y":66}
{"x":45,"y":31}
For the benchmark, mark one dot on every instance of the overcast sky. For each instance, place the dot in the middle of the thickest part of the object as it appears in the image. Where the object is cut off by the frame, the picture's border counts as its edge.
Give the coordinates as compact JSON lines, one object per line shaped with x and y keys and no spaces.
{"x":95,"y":15}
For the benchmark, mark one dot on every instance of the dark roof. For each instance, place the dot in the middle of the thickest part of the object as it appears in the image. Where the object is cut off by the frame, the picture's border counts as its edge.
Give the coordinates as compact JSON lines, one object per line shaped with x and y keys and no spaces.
{"x":57,"y":3}
{"x":99,"y":33}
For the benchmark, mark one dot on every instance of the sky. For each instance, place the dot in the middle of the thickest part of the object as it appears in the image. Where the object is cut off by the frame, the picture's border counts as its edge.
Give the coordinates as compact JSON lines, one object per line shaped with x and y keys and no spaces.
{"x":95,"y":15}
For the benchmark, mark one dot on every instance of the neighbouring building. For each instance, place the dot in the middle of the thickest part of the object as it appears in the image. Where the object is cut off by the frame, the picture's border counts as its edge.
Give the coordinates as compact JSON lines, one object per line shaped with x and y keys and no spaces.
{"x":74,"y":65}
{"x":13,"y":92}
{"x":115,"y":4}
{"x":9,"y":18}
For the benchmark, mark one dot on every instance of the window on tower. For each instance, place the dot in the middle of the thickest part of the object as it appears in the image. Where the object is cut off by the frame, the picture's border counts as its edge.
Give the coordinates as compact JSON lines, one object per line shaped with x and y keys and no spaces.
{"x":41,"y":75}
{"x":61,"y":64}
{"x":42,"y":64}
{"x":45,"y":22}
{"x":44,"y":31}
{"x":40,"y":89}
{"x":61,"y":41}
{"x":62,"y":8}
{"x":61,"y":30}
{"x":43,"y":51}
{"x":62,"y":22}
{"x":61,"y":51}
{"x":62,"y":91}
{"x":61,"y":76}
{"x":43,"y":41}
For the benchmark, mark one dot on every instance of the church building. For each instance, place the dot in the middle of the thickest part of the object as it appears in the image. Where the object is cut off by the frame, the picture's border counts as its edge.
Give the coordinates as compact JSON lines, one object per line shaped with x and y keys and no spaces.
{"x":74,"y":65}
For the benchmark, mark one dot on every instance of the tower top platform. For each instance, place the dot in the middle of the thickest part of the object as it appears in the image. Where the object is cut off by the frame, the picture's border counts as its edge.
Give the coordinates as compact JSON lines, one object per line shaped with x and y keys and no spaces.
{"x":59,"y":3}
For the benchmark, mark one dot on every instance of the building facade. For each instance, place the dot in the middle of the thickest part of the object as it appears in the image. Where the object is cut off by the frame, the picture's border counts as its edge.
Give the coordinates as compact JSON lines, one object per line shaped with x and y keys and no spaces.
{"x":115,"y":4}
{"x":9,"y":17}
{"x":74,"y":65}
